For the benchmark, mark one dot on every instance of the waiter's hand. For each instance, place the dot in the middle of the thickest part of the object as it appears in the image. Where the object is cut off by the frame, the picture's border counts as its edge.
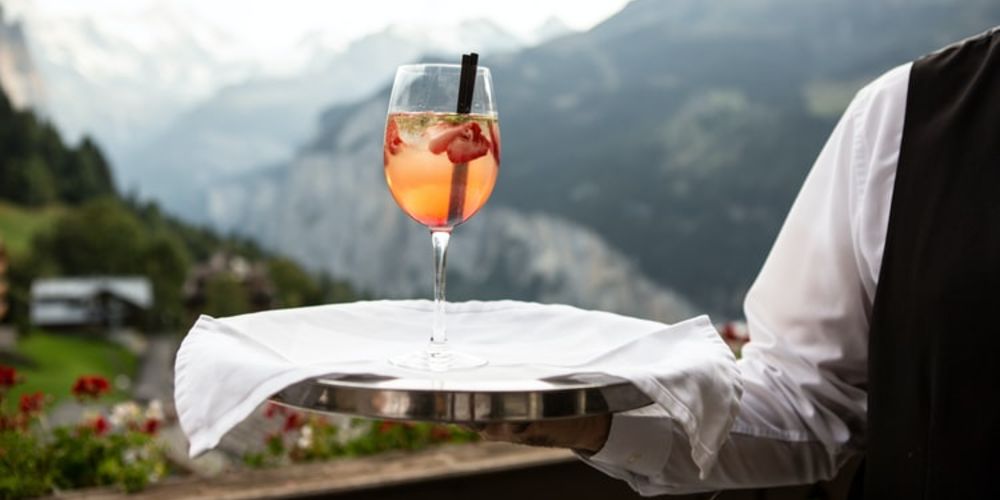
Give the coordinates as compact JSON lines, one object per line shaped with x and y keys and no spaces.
{"x":584,"y":434}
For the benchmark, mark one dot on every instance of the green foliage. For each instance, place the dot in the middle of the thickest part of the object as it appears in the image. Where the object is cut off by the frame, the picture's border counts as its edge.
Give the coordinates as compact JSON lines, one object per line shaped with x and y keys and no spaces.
{"x":382,"y":436}
{"x":99,"y":238}
{"x":60,"y":359}
{"x":82,"y":457}
{"x":200,"y":242}
{"x":165,"y":262}
{"x":19,"y":225}
{"x":314,"y":438}
{"x":108,"y":236}
{"x":294,"y":286}
{"x":89,"y":173}
{"x":29,"y":181}
{"x":36,"y":168}
{"x":104,"y":236}
{"x":225,"y":296}
{"x":334,"y":291}
{"x":97,"y":452}
{"x":24,"y":471}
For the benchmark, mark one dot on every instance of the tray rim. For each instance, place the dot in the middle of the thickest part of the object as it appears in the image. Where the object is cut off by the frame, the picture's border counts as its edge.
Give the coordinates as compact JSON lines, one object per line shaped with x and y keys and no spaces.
{"x":338,"y":394}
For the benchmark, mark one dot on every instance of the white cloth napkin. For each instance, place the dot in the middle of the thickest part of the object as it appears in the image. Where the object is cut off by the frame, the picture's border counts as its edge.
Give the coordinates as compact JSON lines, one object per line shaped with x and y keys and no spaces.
{"x":227,"y":367}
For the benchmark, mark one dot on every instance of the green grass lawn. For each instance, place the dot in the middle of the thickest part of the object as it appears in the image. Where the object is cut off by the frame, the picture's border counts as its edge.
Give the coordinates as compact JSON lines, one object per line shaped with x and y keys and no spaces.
{"x":18,"y":225}
{"x":63,"y":357}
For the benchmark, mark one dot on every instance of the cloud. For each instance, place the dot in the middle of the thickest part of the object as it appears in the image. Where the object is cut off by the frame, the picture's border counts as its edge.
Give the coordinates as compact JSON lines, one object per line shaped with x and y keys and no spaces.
{"x":271,"y":26}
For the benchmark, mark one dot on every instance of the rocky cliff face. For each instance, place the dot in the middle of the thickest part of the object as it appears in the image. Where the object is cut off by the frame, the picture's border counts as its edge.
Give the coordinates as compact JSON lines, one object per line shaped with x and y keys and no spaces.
{"x":675,"y":133}
{"x":18,"y":77}
{"x":330,"y":208}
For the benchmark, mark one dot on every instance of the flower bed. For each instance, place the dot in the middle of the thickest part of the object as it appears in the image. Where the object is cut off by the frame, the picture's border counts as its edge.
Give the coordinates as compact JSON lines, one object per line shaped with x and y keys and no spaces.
{"x":114,"y":448}
{"x":298,"y":437}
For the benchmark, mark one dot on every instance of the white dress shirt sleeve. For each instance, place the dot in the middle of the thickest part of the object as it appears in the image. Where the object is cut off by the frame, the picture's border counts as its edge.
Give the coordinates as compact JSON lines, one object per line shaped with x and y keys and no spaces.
{"x":803,"y":410}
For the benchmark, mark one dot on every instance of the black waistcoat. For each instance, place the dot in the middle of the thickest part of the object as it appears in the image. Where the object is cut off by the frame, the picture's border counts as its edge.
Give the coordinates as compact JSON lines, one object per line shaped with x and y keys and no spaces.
{"x":934,"y":358}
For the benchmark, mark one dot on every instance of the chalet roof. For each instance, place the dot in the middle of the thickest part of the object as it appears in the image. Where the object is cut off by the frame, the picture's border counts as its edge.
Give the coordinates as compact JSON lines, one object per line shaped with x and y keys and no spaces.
{"x":136,"y":290}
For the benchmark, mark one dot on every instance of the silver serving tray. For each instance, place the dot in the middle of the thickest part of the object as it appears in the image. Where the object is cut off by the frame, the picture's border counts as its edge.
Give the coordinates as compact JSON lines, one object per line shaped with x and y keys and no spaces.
{"x":506,"y":400}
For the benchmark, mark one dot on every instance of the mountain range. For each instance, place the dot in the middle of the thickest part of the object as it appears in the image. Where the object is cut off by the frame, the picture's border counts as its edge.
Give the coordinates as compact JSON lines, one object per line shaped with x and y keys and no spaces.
{"x":329,"y":208}
{"x":658,"y":151}
{"x":178,"y":101}
{"x":262,"y":120}
{"x":121,"y":78}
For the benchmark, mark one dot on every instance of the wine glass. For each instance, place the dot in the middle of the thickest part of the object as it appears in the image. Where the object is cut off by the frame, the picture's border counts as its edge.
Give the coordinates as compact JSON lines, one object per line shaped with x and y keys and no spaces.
{"x":441,"y":164}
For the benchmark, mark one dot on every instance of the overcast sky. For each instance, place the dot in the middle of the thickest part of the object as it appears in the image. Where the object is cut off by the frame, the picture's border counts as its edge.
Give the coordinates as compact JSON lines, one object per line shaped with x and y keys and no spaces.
{"x":270,"y":25}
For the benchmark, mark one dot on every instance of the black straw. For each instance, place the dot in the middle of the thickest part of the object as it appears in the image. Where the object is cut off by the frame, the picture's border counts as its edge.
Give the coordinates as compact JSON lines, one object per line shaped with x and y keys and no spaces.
{"x":460,"y":174}
{"x":467,"y":82}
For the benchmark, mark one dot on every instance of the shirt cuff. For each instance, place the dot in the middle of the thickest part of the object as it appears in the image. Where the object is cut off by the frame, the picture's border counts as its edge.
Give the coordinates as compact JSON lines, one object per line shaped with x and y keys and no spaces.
{"x":638,"y":442}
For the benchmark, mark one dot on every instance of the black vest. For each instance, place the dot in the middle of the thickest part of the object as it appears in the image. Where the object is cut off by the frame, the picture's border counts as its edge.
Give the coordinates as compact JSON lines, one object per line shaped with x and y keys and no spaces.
{"x":934,"y":345}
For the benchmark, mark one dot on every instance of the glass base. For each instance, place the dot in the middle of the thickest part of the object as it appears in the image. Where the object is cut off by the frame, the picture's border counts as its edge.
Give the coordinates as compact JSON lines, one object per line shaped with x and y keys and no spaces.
{"x":437,"y":361}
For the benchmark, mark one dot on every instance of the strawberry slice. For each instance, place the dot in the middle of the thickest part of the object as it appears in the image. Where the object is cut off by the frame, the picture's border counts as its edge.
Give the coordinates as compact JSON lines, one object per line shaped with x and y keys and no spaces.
{"x":468,"y":146}
{"x":463,"y":143}
{"x":441,"y":136}
{"x":495,"y":137}
{"x":393,"y":142}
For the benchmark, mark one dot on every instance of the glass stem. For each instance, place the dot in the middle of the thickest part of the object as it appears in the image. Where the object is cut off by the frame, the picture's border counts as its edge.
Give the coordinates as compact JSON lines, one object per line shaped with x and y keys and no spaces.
{"x":439,"y":336}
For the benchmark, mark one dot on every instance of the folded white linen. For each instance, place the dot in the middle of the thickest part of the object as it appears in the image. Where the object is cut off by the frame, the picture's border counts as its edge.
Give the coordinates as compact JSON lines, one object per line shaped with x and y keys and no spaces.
{"x":226,"y":367}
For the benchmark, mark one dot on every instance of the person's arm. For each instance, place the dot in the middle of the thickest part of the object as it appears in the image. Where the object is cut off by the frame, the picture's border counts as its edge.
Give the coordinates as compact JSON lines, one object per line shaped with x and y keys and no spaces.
{"x":803,"y":410}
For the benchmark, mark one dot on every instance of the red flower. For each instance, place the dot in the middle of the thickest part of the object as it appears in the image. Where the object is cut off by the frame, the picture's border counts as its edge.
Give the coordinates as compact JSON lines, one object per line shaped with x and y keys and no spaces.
{"x":272,"y":409}
{"x":99,"y":425}
{"x":463,"y":143}
{"x":384,"y":427}
{"x":17,"y":422}
{"x":32,"y":403}
{"x":92,"y":386}
{"x":150,"y":426}
{"x":292,"y":421}
{"x":8,"y":376}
